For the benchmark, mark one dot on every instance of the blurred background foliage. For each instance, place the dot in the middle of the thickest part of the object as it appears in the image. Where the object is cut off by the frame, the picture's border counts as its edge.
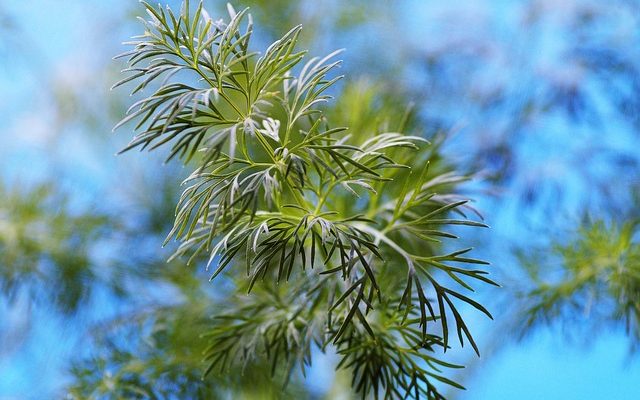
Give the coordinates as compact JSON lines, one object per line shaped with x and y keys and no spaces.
{"x":590,"y":279}
{"x":541,"y":97}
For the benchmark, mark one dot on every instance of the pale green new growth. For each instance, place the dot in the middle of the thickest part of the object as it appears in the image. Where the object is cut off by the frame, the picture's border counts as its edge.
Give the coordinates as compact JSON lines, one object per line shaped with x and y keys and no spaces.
{"x":347,"y":223}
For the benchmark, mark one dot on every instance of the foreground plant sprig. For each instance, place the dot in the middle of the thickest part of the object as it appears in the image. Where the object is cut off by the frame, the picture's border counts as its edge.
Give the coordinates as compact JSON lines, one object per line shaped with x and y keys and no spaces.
{"x":351,"y":221}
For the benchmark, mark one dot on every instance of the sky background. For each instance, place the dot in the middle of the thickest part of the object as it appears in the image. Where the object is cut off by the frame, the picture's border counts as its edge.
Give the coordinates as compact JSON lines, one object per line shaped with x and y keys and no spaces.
{"x":57,"y":113}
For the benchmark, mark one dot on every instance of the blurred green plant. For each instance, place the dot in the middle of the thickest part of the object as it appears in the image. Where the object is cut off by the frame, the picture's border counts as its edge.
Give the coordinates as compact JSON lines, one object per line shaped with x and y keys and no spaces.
{"x":45,"y":249}
{"x":152,"y":354}
{"x":342,"y":230}
{"x":594,"y":278}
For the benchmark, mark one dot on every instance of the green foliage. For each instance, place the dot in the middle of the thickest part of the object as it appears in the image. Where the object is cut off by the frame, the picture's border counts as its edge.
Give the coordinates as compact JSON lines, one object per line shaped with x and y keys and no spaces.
{"x":595,"y":276}
{"x":43,"y":253}
{"x":336,"y":232}
{"x":153,"y":355}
